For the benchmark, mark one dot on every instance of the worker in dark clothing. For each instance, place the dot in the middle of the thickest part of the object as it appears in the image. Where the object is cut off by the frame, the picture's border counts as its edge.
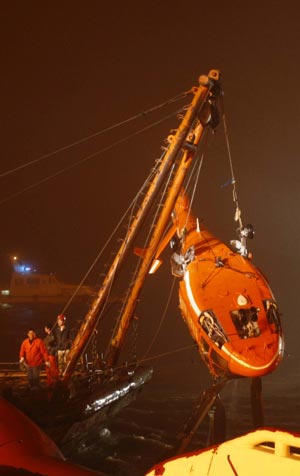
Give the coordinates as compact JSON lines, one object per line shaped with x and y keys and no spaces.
{"x":63,"y":342}
{"x":50,"y":344}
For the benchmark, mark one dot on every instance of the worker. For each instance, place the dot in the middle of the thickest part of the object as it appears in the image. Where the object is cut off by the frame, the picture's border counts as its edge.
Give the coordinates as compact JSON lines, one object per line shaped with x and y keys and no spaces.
{"x":50,"y":344}
{"x":63,"y":342}
{"x":32,"y":354}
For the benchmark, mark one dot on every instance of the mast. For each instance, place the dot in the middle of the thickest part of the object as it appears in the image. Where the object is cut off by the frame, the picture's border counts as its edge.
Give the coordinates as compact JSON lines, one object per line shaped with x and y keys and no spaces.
{"x":90,"y":321}
{"x":184,"y":159}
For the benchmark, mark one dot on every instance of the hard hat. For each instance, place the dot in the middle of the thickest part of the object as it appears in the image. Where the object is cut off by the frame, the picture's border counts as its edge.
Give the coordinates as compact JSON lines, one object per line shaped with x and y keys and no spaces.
{"x":61,"y":317}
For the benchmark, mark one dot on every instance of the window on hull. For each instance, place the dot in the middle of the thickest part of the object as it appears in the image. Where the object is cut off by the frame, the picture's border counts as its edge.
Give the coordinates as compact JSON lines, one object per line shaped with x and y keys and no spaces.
{"x":245,"y":321}
{"x":272,"y":315}
{"x":212,"y":327}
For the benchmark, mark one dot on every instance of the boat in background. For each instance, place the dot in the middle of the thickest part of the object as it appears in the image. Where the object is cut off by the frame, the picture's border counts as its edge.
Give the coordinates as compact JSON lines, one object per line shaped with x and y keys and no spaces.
{"x":261,"y":452}
{"x":29,"y":286}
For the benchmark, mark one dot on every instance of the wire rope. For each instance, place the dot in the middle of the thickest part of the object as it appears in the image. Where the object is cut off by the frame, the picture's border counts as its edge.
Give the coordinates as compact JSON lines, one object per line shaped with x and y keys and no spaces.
{"x":98,"y":133}
{"x":237,"y":216}
{"x":90,"y":156}
{"x":145,"y":247}
{"x":161,"y":321}
{"x":164,"y":354}
{"x":125,"y":214}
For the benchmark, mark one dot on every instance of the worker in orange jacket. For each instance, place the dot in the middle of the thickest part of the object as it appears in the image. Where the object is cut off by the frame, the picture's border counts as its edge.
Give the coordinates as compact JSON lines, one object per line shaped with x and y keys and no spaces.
{"x":32,"y":354}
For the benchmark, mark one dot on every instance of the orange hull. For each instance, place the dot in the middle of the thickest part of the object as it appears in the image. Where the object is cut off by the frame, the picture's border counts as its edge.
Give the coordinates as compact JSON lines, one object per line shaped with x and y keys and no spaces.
{"x":24,"y":447}
{"x":226,"y":303}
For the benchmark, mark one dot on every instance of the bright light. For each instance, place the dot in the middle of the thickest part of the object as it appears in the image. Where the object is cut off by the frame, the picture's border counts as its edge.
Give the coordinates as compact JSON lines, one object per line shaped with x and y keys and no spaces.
{"x":22,"y":268}
{"x":155,"y":265}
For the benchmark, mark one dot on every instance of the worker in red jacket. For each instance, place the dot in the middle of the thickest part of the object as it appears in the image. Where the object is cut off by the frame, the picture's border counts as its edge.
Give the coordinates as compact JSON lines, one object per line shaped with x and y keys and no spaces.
{"x":32,"y":354}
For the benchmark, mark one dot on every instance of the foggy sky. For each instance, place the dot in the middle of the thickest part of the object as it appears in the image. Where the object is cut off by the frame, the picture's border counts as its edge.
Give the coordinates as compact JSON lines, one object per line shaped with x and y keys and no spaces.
{"x":70,"y":70}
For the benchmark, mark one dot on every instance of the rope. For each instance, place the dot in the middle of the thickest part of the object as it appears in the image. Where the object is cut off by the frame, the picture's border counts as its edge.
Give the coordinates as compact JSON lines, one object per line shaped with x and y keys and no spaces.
{"x":91,"y":136}
{"x":154,"y":357}
{"x":237,"y":216}
{"x":147,"y":239}
{"x":157,"y":356}
{"x":171,"y":352}
{"x":173,"y":283}
{"x":137,"y":266}
{"x":197,"y":179}
{"x":161,"y":321}
{"x":101,"y":151}
{"x":111,"y":237}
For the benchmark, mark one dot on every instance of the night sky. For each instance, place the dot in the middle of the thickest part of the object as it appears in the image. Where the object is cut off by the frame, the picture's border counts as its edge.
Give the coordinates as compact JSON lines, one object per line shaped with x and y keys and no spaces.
{"x":70,"y":69}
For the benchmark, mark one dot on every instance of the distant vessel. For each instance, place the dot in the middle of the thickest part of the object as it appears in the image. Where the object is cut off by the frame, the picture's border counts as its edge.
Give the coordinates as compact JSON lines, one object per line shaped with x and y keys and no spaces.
{"x":27,"y":285}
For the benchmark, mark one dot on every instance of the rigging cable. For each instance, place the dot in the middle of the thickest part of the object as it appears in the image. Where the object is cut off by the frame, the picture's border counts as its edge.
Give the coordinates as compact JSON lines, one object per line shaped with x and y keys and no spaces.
{"x":197,"y":175}
{"x":149,"y":178}
{"x":161,"y":321}
{"x":237,"y":216}
{"x":145,"y":247}
{"x":148,"y":359}
{"x":171,"y":352}
{"x":85,"y":159}
{"x":158,"y":356}
{"x":91,"y":136}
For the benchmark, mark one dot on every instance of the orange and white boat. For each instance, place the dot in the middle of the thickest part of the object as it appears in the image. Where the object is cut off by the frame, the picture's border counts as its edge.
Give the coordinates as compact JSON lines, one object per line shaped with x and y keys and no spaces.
{"x":225,"y":301}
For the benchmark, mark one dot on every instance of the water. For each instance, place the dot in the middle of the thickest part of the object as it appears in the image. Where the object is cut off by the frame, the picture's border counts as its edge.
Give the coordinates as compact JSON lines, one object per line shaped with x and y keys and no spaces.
{"x":144,"y":433}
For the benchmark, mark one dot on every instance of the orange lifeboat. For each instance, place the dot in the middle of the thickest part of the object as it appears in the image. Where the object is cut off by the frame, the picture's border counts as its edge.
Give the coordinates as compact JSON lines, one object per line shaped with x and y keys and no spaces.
{"x":225,"y":301}
{"x":24,"y":447}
